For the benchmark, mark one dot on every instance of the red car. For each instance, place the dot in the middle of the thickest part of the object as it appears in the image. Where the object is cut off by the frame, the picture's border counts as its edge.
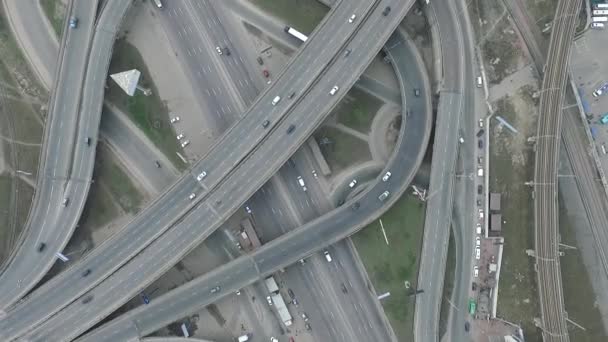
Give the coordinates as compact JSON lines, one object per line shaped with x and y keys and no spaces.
{"x":265,"y":73}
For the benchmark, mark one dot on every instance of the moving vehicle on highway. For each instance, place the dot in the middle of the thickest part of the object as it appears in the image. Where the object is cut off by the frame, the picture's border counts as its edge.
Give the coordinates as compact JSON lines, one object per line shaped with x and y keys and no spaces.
{"x":219,"y":50}
{"x":145,"y":298}
{"x":386,"y":176}
{"x":333,"y":90}
{"x":327,"y":256}
{"x":352,"y":183}
{"x":201,"y":176}
{"x":383,"y":196}
{"x":265,"y":73}
{"x":386,"y":11}
{"x":180,"y":136}
{"x":158,"y":3}
{"x":185,"y":143}
{"x":215,"y":289}
{"x":41,"y":246}
{"x":192,"y":196}
{"x":354,"y":16}
{"x":73,"y":22}
{"x":301,"y":183}
{"x":301,"y":36}
{"x":65,"y":202}
{"x":87,"y":299}
{"x":276,"y":100}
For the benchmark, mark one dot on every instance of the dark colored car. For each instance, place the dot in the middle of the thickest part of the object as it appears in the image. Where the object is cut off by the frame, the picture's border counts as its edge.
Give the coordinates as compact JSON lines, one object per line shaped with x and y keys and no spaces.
{"x":265,"y":123}
{"x":474,"y":286}
{"x":479,"y":189}
{"x":386,"y":11}
{"x":467,"y":326}
{"x":291,"y":129}
{"x":157,"y":163}
{"x":480,"y":143}
{"x":41,"y":246}
{"x":291,"y":95}
{"x":88,"y":141}
{"x":308,"y":327}
{"x":87,"y":299}
{"x":260,"y":61}
{"x":265,"y":73}
{"x":227,"y":51}
{"x":344,"y":290}
{"x":145,"y":298}
{"x":347,"y":52}
{"x":86,"y":272}
{"x":291,"y":294}
{"x":356,"y":205}
{"x":480,"y":133}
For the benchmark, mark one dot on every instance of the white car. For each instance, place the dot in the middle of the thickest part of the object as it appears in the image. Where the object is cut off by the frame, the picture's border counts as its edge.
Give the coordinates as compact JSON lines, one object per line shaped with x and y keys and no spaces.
{"x":386,"y":176}
{"x":352,"y":183}
{"x":192,"y":196}
{"x":175,"y":119}
{"x":314,"y":173}
{"x":180,"y":136}
{"x":247,"y":209}
{"x":301,"y":182}
{"x":477,"y":241}
{"x":597,"y":25}
{"x":480,"y":123}
{"x":201,"y":176}
{"x":478,"y":229}
{"x":476,"y":271}
{"x":477,"y":253}
{"x":461,"y":140}
{"x":480,"y":213}
{"x":327,"y":256}
{"x":352,"y":18}
{"x":334,"y":90}
{"x":185,"y":143}
{"x":219,"y":50}
{"x":269,"y":300}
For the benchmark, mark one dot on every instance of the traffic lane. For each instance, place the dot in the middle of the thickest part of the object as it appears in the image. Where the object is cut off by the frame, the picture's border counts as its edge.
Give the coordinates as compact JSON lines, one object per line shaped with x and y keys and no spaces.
{"x":57,"y":151}
{"x":169,"y":305}
{"x":135,"y":153}
{"x":452,"y":79}
{"x":244,"y":128}
{"x":414,"y":136}
{"x":118,"y":246}
{"x":221,"y":198}
{"x":205,"y":14}
{"x":199,"y":58}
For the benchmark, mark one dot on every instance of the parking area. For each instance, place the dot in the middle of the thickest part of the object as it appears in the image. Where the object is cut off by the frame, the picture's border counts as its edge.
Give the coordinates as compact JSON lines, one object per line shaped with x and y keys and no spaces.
{"x":589,"y":73}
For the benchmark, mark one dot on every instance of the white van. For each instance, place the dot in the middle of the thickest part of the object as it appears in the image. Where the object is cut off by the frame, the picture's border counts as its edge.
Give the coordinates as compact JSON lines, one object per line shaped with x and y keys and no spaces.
{"x":276,"y":100}
{"x":327,"y":256}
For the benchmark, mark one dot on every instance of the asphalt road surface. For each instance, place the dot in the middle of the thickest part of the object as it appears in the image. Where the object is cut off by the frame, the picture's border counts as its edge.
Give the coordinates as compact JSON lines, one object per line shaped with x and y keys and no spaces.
{"x":65,"y":167}
{"x":217,"y":196}
{"x":284,"y":250}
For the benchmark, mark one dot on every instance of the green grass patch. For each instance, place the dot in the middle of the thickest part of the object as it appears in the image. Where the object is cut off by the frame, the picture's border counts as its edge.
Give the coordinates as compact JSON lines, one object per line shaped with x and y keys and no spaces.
{"x":357,"y":110}
{"x":341,"y":149}
{"x":149,"y":113}
{"x":303,"y":15}
{"x":542,"y":12}
{"x":579,"y":296}
{"x":510,"y":168}
{"x":99,"y":209}
{"x":55,"y":12}
{"x":109,"y":173}
{"x":448,"y":286}
{"x":389,"y":267}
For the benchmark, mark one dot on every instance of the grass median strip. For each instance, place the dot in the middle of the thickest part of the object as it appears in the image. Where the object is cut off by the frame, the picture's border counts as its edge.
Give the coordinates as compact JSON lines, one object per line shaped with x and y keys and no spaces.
{"x":391,"y":267}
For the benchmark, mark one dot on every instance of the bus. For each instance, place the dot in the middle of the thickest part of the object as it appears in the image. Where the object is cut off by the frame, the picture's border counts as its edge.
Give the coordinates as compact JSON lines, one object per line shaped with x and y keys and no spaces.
{"x":296,"y":33}
{"x":599,"y":19}
{"x":472,"y":306}
{"x":600,"y":12}
{"x":600,"y":6}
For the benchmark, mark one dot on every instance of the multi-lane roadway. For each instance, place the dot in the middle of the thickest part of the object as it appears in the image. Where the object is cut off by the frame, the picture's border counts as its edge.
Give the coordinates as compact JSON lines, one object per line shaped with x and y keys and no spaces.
{"x":291,"y":246}
{"x":65,"y":167}
{"x":216,"y":198}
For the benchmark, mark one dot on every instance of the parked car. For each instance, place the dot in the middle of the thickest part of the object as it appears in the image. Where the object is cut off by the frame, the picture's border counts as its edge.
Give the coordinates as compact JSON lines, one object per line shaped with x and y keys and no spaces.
{"x":41,"y":246}
{"x":352,"y":183}
{"x":175,"y":119}
{"x":386,"y":176}
{"x":265,"y":73}
{"x":73,"y":22}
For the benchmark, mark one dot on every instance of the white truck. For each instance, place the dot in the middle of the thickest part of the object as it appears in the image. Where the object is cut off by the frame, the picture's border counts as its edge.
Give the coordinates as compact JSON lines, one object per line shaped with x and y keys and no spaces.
{"x":278,"y":301}
{"x":279,"y":304}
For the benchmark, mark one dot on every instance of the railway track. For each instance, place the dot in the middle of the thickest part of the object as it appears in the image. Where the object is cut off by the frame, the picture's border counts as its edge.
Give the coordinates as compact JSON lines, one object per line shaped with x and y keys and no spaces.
{"x":553,"y":315}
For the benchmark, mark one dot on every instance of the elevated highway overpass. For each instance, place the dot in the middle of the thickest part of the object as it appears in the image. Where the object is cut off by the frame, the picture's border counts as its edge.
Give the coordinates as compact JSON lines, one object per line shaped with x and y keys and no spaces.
{"x":65,"y":167}
{"x":302,"y":242}
{"x":168,"y":210}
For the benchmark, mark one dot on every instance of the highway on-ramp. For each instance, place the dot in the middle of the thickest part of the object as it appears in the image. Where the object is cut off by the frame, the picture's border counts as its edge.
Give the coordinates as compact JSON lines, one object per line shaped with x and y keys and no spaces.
{"x":290,"y":247}
{"x":65,"y":167}
{"x":219,"y":204}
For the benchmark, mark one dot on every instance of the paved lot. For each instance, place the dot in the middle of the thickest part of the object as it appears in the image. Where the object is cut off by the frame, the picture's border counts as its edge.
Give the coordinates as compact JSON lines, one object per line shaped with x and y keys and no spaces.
{"x":589,"y":72}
